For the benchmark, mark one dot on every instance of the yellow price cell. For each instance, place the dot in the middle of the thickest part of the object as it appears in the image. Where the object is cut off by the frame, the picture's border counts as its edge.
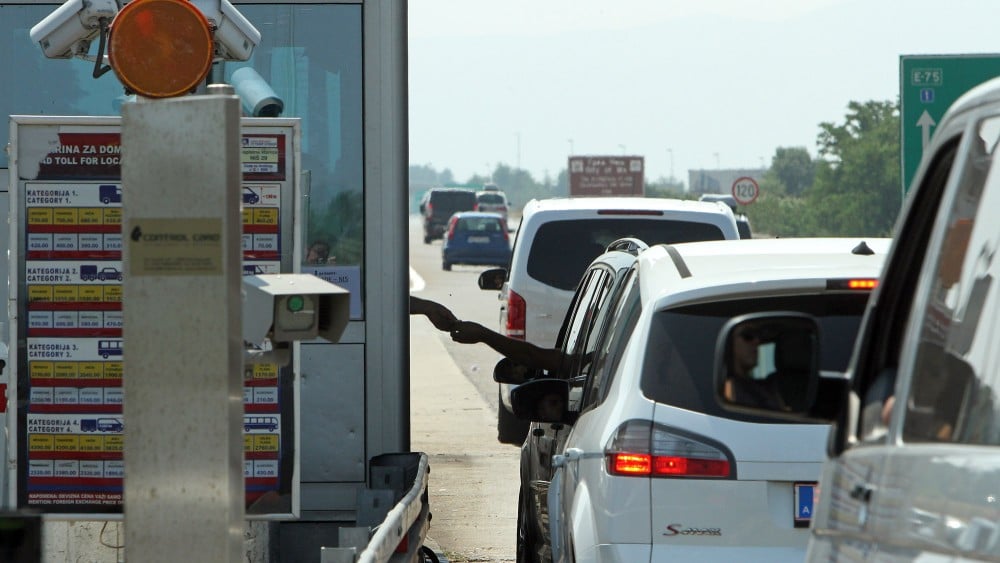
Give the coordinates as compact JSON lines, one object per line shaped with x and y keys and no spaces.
{"x":112,"y":293}
{"x":113,"y":216}
{"x":41,"y":442}
{"x":91,"y":443}
{"x":39,"y":215}
{"x":66,"y":370}
{"x":91,"y":370}
{"x":113,"y":370}
{"x":40,"y":293}
{"x":41,"y":370}
{"x":265,"y":443}
{"x":247,"y":443}
{"x":114,"y":443}
{"x":91,"y":216}
{"x":65,"y":216}
{"x":265,"y":371}
{"x":67,"y":444}
{"x":90,"y":293}
{"x":265,"y":216}
{"x":65,"y":293}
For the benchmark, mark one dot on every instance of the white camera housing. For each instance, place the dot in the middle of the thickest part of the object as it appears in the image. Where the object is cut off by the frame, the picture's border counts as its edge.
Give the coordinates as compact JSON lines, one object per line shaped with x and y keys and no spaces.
{"x":256,"y":95}
{"x":68,"y":31}
{"x":235,"y":36}
{"x":289,"y":307}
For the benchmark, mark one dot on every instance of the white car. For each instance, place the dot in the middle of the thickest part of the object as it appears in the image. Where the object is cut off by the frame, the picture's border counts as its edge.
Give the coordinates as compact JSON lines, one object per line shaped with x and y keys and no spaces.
{"x":556,"y":241}
{"x":654,"y":468}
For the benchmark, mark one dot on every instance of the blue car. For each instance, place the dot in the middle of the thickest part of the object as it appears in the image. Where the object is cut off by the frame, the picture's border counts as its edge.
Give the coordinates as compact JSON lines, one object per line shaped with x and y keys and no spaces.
{"x":475,"y":237}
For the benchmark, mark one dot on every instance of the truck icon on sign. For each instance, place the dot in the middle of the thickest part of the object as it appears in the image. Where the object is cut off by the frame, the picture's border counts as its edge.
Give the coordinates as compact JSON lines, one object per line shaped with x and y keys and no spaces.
{"x":101,"y":425}
{"x":110,"y":193}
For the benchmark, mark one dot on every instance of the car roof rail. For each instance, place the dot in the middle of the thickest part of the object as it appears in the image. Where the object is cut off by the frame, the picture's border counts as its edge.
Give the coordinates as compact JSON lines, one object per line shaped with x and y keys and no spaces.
{"x":631,"y":245}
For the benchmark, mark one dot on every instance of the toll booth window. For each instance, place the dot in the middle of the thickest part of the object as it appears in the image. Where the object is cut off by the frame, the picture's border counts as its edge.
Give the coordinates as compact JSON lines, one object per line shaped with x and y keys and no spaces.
{"x":310,"y":58}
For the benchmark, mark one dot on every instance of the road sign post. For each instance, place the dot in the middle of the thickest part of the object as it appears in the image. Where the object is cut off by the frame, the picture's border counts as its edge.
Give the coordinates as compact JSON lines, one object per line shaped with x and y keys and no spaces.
{"x":928,"y":85}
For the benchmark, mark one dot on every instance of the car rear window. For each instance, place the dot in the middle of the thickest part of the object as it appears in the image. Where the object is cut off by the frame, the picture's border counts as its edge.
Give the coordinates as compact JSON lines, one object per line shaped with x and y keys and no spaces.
{"x":490,"y":198}
{"x":481,"y":224}
{"x":679,"y":364}
{"x":446,"y":203}
{"x":562,"y":250}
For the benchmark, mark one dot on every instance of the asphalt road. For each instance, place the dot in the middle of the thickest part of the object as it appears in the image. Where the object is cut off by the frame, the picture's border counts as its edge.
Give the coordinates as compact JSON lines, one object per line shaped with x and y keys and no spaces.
{"x":473,"y":480}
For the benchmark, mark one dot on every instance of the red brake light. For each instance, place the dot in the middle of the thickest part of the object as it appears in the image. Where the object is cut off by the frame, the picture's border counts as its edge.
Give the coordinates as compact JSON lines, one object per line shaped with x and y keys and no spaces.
{"x":516,"y":311}
{"x":451,"y":228}
{"x":629,"y":212}
{"x":690,"y":467}
{"x":643,"y":449}
{"x":630,"y":464}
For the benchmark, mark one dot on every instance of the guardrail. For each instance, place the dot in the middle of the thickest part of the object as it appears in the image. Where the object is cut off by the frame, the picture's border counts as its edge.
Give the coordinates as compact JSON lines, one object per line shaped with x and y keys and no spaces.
{"x":400,"y":536}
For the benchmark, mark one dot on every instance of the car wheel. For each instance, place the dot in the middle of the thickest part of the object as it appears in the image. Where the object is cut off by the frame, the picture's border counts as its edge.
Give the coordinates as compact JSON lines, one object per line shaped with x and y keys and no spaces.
{"x":510,"y":429}
{"x":446,"y":266}
{"x":526,"y":549}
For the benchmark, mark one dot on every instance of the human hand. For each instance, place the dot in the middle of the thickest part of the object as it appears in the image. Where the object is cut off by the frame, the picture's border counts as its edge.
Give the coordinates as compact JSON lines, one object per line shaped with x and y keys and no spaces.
{"x":439,"y":315}
{"x":467,"y":332}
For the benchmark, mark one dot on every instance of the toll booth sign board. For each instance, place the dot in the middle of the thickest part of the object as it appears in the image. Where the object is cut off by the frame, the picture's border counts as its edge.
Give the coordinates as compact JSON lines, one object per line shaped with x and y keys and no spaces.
{"x":66,"y":278}
{"x":606,"y":175}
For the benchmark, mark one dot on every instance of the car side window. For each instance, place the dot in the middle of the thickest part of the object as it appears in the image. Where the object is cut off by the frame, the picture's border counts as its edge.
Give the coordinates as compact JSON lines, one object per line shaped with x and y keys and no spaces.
{"x":624,"y":315}
{"x":581,"y":315}
{"x":952,"y":395}
{"x":885,"y":323}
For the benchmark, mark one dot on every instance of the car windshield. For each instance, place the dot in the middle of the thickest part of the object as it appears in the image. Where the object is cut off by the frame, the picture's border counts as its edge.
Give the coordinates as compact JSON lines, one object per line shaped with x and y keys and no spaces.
{"x":562,"y":250}
{"x":679,"y":363}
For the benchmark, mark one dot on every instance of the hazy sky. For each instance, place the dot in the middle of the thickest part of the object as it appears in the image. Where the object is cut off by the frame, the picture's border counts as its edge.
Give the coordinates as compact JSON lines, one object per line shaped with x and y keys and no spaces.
{"x":688,"y":85}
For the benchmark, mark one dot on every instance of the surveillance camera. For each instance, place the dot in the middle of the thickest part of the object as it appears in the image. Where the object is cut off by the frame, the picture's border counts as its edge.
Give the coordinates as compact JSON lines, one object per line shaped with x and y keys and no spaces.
{"x":235,"y":36}
{"x":290,"y":307}
{"x":259,"y":99}
{"x":68,"y":31}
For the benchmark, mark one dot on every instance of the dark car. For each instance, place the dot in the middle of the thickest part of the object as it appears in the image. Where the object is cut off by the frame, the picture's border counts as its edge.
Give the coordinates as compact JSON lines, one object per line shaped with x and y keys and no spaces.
{"x":476,"y":238}
{"x":439,"y":204}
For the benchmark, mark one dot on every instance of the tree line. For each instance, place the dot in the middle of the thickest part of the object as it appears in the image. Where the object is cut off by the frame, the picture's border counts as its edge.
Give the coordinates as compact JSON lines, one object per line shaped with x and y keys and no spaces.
{"x":852,"y":188}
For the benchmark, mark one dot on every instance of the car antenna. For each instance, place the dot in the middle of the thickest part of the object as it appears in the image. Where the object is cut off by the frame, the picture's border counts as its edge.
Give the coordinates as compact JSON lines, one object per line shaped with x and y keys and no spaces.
{"x":862,"y":249}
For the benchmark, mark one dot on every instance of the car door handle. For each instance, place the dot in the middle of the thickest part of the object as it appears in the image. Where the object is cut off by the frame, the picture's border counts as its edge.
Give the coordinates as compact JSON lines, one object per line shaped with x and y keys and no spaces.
{"x":573,"y":454}
{"x":862,"y":492}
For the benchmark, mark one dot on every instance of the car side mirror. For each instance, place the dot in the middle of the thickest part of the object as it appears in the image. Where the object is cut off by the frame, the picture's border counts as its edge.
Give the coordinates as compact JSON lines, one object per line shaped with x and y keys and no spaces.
{"x":541,"y":400}
{"x":768,"y":364}
{"x":492,"y":278}
{"x":511,"y":372}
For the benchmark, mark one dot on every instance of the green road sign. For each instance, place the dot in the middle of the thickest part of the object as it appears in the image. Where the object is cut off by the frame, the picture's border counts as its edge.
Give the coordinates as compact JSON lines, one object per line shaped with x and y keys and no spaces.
{"x":928,"y":85}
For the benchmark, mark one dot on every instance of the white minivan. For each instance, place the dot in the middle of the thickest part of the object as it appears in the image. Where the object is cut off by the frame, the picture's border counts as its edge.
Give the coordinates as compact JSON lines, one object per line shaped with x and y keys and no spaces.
{"x":558,"y":238}
{"x":914,"y":462}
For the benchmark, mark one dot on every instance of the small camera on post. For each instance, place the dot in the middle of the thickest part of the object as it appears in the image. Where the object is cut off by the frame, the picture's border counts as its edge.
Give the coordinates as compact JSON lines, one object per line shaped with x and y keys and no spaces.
{"x":279,"y":309}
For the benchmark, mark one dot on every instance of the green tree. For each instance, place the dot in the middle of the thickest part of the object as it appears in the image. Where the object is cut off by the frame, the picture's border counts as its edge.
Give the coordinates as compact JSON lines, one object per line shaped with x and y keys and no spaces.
{"x":856,"y":191}
{"x":793,"y":169}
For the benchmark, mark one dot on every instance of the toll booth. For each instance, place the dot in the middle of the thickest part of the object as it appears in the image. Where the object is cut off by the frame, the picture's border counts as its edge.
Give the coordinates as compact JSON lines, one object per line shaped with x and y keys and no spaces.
{"x":339,"y":68}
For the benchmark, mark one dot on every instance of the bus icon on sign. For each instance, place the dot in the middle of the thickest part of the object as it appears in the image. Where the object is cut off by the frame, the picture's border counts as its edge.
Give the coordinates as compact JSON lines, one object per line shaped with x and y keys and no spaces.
{"x":108,"y":348}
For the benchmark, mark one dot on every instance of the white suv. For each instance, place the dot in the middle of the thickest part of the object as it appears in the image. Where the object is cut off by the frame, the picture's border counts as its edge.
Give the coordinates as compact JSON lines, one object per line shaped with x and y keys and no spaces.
{"x":556,"y":241}
{"x":653,"y":468}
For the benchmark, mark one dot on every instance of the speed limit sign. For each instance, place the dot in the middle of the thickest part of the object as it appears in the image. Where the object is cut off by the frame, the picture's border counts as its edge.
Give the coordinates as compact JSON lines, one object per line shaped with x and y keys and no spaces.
{"x":745,"y":190}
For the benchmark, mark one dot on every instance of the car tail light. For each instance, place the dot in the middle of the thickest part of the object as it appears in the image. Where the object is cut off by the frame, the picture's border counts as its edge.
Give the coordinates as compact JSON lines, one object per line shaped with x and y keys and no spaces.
{"x":429,"y":208}
{"x":641,"y":448}
{"x":852,"y":283}
{"x":475,"y":206}
{"x":451,"y":228}
{"x":516,"y":311}
{"x":629,"y":212}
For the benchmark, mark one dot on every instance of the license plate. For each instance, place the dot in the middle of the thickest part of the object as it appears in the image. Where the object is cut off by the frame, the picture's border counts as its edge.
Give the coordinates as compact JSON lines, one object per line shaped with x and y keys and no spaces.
{"x":805,"y":498}
{"x":479,"y":240}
